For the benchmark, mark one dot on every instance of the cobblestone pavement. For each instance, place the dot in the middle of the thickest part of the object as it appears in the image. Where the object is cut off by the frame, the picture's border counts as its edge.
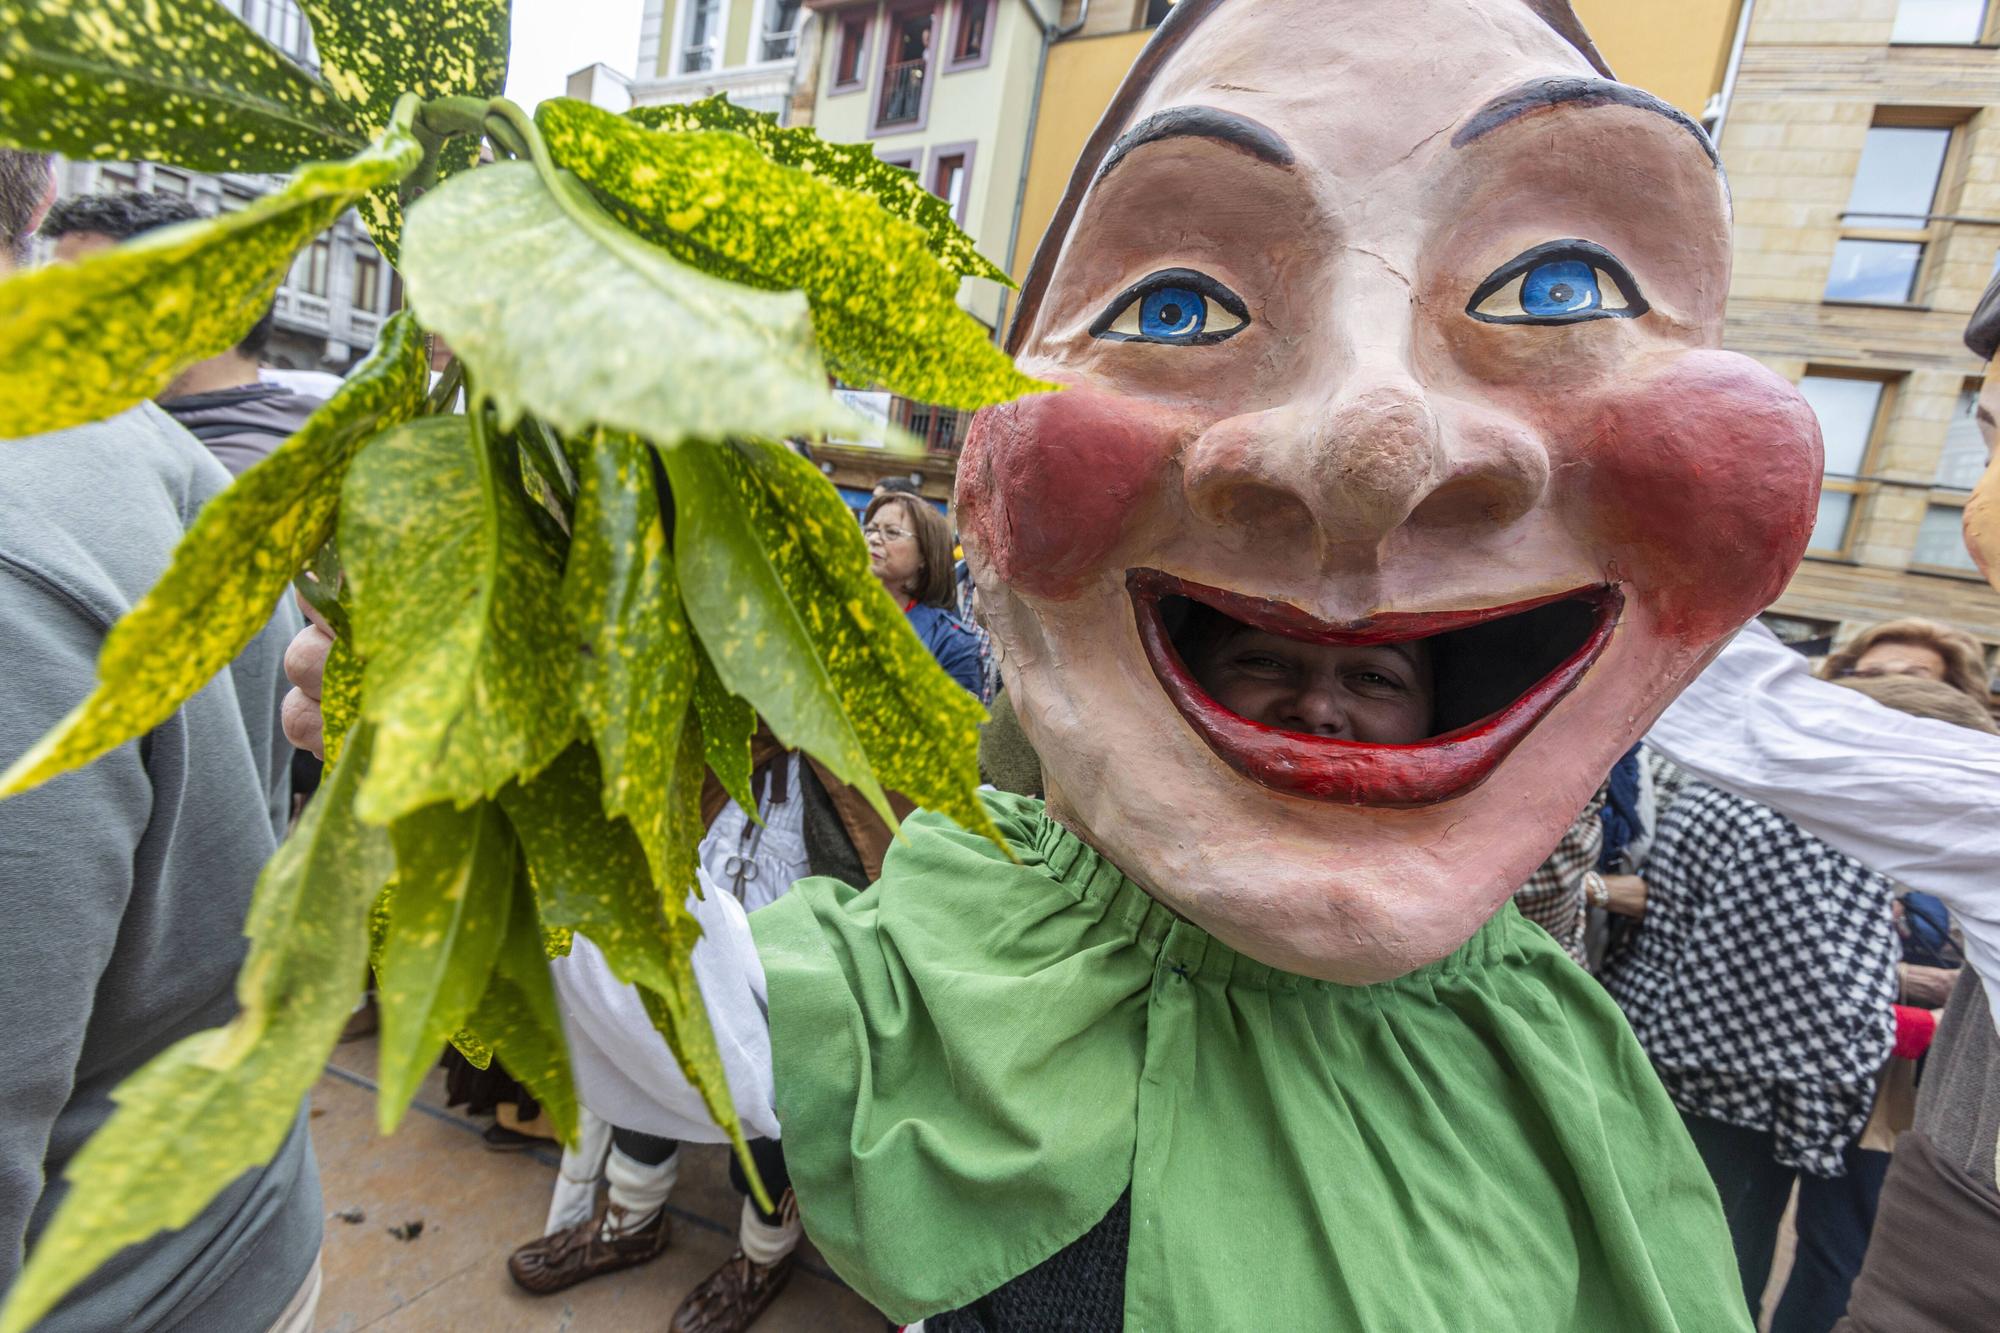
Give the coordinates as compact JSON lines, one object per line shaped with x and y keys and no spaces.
{"x":477,"y":1205}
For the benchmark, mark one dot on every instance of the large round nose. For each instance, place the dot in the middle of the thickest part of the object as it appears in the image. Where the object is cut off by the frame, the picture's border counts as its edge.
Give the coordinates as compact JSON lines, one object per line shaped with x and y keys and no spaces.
{"x":1352,"y":468}
{"x":1364,"y":446}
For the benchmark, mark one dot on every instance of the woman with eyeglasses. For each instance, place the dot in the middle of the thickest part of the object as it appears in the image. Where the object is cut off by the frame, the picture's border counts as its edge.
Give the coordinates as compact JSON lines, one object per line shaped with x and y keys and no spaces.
{"x":1921,"y":648}
{"x":909,"y":550}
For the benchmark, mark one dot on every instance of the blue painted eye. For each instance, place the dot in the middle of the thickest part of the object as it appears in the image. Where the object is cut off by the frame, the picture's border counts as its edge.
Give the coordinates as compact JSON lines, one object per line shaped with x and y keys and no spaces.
{"x":1564,"y":282}
{"x":1172,"y":313}
{"x":1566,"y":287}
{"x":1175,"y":308}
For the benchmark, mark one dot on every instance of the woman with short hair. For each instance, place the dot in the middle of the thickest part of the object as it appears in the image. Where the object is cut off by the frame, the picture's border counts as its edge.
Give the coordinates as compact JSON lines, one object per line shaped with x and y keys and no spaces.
{"x":909,"y":550}
{"x":1911,"y":647}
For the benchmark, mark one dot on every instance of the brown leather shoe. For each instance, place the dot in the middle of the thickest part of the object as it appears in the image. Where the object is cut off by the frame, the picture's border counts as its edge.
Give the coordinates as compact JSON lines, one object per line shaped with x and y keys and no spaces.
{"x":560,"y":1261}
{"x":730,"y":1299}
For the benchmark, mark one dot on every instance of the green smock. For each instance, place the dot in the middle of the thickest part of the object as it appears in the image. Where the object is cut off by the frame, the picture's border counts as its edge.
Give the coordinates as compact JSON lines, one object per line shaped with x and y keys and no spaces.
{"x":975,"y":1058}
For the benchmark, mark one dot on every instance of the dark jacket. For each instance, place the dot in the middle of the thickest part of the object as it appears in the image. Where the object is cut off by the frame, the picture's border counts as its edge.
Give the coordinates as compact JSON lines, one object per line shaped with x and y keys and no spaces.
{"x":953,"y":645}
{"x":240,"y":426}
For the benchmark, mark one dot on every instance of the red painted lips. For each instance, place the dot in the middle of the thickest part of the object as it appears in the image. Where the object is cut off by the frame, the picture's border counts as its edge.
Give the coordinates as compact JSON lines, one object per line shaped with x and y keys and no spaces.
{"x":1353,"y":772}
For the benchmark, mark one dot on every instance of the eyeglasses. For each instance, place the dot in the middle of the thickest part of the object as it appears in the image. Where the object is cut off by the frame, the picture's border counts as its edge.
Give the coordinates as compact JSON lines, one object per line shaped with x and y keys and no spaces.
{"x":884,"y":531}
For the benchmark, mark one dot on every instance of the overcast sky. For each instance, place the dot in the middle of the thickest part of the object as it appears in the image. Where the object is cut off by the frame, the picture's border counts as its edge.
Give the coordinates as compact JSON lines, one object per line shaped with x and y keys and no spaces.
{"x":552,"y":38}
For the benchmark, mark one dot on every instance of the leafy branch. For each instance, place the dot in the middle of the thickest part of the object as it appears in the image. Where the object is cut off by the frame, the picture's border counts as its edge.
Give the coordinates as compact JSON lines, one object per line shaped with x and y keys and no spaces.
{"x":561,"y":608}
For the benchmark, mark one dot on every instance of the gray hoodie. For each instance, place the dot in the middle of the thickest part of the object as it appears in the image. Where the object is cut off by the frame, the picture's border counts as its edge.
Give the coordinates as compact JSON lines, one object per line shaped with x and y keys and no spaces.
{"x":124,"y":885}
{"x":240,"y":426}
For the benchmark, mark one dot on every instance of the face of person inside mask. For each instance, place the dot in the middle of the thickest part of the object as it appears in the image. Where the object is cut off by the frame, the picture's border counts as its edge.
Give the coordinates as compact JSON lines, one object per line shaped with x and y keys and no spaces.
{"x":1398,"y":484}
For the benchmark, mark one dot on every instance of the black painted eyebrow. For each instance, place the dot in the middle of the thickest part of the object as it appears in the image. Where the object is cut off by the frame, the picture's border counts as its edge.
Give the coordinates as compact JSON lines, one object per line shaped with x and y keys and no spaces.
{"x":1200,"y":122}
{"x":1544,"y":94}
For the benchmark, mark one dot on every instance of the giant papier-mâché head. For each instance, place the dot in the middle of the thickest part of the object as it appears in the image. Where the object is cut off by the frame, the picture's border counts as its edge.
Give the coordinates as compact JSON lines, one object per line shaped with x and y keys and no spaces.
{"x":1382,"y":321}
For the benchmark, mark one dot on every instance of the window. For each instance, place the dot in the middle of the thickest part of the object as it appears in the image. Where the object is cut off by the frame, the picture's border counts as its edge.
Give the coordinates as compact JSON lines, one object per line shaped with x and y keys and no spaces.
{"x":309,"y":270}
{"x":907,"y":160}
{"x":969,"y":44}
{"x":1940,"y":22}
{"x":1888,"y":215}
{"x":1848,"y":409}
{"x":367,"y":283}
{"x":781,"y":29}
{"x":1941,"y":540}
{"x":850,"y":60}
{"x":1156,"y":12}
{"x":704,"y":33}
{"x":1964,"y":457}
{"x":950,"y":176}
{"x":906,"y":71}
{"x":170,"y":182}
{"x":940,"y":428}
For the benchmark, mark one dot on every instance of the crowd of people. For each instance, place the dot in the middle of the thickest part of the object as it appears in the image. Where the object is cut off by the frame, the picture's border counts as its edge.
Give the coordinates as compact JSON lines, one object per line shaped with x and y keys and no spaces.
{"x":1029,"y":1088}
{"x":1786,"y":993}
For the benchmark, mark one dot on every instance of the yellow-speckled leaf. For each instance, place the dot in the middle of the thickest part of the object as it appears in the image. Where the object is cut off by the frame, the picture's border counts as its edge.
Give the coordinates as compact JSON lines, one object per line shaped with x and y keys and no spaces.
{"x":213,"y":1105}
{"x":230,"y":571}
{"x":80,"y":342}
{"x":852,"y":165}
{"x":456,"y":609}
{"x":517,"y":1018}
{"x":590,"y":875}
{"x":886,"y":312}
{"x":454,"y":887}
{"x":558,"y":311}
{"x":371,"y":53}
{"x":339,"y":697}
{"x":635,"y":677}
{"x":774,"y":575}
{"x":181,"y":81}
{"x":727,"y":724}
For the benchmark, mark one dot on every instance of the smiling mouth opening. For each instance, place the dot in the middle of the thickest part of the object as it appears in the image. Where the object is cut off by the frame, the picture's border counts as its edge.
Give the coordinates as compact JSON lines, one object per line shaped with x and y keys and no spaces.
{"x":1497,"y":671}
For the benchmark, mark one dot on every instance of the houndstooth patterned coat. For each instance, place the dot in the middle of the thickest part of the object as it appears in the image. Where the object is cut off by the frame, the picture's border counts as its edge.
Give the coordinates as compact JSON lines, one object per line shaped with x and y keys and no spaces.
{"x":1762,"y":976}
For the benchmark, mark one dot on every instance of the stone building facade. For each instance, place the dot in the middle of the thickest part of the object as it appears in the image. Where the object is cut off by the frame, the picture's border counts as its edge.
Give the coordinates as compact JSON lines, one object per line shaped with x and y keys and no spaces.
{"x":1862,"y":139}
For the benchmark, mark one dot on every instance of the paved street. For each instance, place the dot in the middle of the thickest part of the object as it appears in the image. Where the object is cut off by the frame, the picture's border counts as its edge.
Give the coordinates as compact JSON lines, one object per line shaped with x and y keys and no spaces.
{"x":476,"y":1205}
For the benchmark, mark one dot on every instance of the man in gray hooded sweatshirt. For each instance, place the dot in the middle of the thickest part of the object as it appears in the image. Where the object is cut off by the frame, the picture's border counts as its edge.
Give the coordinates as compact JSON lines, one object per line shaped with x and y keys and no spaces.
{"x":124,"y":885}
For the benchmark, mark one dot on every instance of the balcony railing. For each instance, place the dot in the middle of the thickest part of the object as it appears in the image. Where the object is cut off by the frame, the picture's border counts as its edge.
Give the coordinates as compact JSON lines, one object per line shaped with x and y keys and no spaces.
{"x":697,"y":59}
{"x":781,"y":45}
{"x":902,"y":93}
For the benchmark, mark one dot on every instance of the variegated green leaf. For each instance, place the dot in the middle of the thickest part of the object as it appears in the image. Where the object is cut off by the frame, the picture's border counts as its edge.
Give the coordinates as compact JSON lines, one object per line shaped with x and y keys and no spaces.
{"x":852,"y":165}
{"x":454,"y":887}
{"x":558,"y":311}
{"x":80,"y":342}
{"x":213,"y":1105}
{"x":517,"y":1018}
{"x":635,"y":678}
{"x":727,"y":724}
{"x":339,"y":697}
{"x":231,"y":569}
{"x":590,"y":875}
{"x":456,"y":608}
{"x":371,"y":54}
{"x":775,"y":577}
{"x":885,"y":311}
{"x":180,"y":81}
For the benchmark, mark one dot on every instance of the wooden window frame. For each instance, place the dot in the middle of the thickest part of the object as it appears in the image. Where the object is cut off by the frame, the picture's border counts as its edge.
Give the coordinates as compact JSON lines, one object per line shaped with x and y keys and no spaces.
{"x":846,"y":20}
{"x":1863,"y":485}
{"x":968,"y":150}
{"x":893,"y":14}
{"x":1933,"y":231}
{"x":1989,"y":34}
{"x":961,"y":11}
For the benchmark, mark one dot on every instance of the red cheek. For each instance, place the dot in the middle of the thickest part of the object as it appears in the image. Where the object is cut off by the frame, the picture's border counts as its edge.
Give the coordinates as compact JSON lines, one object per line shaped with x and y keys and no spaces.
{"x":1701,"y":487}
{"x":1047,"y":485}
